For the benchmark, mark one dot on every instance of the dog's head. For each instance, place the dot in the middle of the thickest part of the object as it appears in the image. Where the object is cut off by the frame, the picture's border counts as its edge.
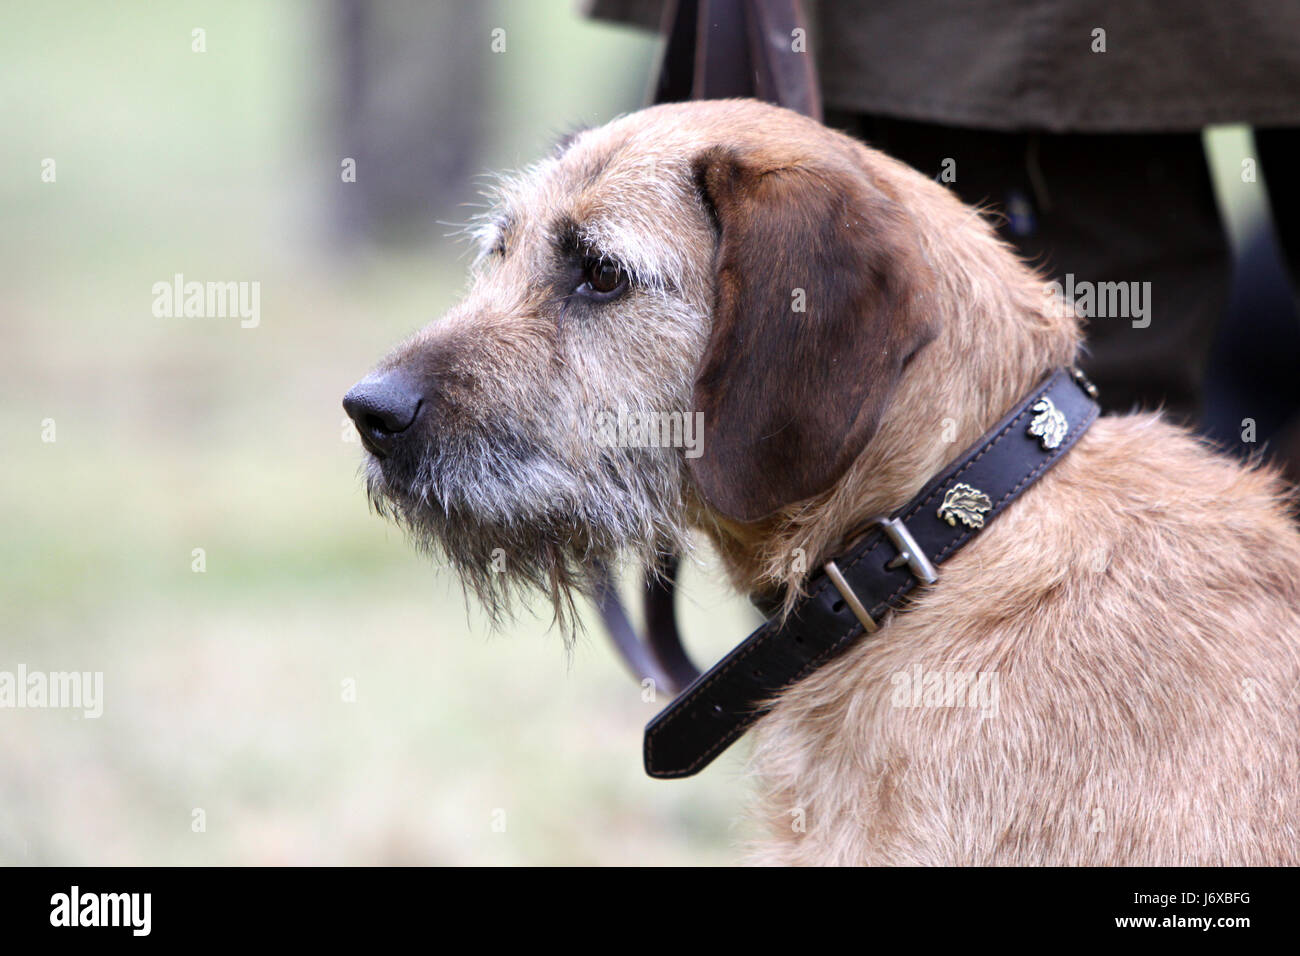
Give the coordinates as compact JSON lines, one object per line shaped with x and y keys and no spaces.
{"x":697,"y":314}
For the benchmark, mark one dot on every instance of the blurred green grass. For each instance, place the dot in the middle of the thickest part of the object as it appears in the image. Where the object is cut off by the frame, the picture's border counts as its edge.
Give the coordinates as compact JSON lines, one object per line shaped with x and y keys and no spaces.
{"x":223,"y":689}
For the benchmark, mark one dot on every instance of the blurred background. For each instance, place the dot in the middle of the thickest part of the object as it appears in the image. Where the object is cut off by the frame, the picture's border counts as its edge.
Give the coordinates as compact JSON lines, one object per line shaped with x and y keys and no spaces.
{"x":224,"y":690}
{"x":181,"y":502}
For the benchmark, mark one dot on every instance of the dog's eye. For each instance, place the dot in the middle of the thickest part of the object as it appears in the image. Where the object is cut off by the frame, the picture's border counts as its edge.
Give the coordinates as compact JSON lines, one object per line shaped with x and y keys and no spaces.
{"x":602,"y":279}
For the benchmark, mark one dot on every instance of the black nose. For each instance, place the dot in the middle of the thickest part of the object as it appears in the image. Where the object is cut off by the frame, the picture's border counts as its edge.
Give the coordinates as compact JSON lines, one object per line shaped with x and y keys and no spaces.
{"x":383,"y":406}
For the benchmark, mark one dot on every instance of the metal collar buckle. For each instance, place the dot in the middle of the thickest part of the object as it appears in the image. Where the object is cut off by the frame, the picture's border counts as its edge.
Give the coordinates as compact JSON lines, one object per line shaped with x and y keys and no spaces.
{"x":909,"y":553}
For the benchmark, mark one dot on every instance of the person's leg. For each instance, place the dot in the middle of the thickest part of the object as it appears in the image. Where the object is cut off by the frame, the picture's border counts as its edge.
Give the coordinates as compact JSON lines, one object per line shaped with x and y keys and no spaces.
{"x":1279,"y":153}
{"x":1116,"y":208}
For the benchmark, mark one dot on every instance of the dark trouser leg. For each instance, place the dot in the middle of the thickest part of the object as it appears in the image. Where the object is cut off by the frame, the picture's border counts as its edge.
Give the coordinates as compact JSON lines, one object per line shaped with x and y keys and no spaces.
{"x":1104,"y":208}
{"x":1279,"y":155}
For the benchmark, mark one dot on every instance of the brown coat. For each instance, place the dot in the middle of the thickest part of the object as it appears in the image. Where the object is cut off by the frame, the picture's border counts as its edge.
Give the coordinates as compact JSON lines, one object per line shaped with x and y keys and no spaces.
{"x":1033,"y":64}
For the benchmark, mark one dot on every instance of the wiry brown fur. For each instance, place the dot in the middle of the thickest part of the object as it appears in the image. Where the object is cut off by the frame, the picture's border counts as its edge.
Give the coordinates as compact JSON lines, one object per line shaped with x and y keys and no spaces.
{"x":1138,"y":604}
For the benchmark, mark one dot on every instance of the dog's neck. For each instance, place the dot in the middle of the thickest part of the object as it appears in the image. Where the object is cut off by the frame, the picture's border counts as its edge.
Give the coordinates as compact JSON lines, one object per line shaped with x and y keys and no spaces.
{"x":874,"y":576}
{"x":999,"y":336}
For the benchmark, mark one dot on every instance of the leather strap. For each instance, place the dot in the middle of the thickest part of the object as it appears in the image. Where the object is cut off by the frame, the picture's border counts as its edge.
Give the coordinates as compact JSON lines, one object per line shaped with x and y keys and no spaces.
{"x":723,"y":48}
{"x":713,"y":49}
{"x":659,"y":655}
{"x":723,"y":702}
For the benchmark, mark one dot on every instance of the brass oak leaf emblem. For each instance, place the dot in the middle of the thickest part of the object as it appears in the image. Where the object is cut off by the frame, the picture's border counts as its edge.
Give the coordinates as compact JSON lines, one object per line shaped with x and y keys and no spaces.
{"x":1049,"y":425}
{"x":965,"y":504}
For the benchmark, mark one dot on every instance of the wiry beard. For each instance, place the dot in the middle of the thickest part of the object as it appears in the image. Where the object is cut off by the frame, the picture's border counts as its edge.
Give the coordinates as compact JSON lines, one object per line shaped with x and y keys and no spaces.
{"x":513,"y":520}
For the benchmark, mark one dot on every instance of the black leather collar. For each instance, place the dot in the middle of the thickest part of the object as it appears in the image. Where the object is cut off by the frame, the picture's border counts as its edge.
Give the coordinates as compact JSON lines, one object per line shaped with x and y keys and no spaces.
{"x":851,"y":593}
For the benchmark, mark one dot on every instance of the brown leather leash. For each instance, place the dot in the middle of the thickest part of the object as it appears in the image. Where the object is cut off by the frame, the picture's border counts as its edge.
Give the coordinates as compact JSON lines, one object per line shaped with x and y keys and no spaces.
{"x":714,"y":49}
{"x":659,"y":656}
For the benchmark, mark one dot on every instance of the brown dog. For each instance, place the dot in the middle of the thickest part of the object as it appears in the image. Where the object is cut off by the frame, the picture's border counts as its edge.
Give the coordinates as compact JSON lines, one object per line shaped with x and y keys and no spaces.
{"x":1139,"y":605}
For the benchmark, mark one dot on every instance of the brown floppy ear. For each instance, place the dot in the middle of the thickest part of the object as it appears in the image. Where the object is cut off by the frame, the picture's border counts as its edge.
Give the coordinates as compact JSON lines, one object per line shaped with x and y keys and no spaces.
{"x":791,"y":397}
